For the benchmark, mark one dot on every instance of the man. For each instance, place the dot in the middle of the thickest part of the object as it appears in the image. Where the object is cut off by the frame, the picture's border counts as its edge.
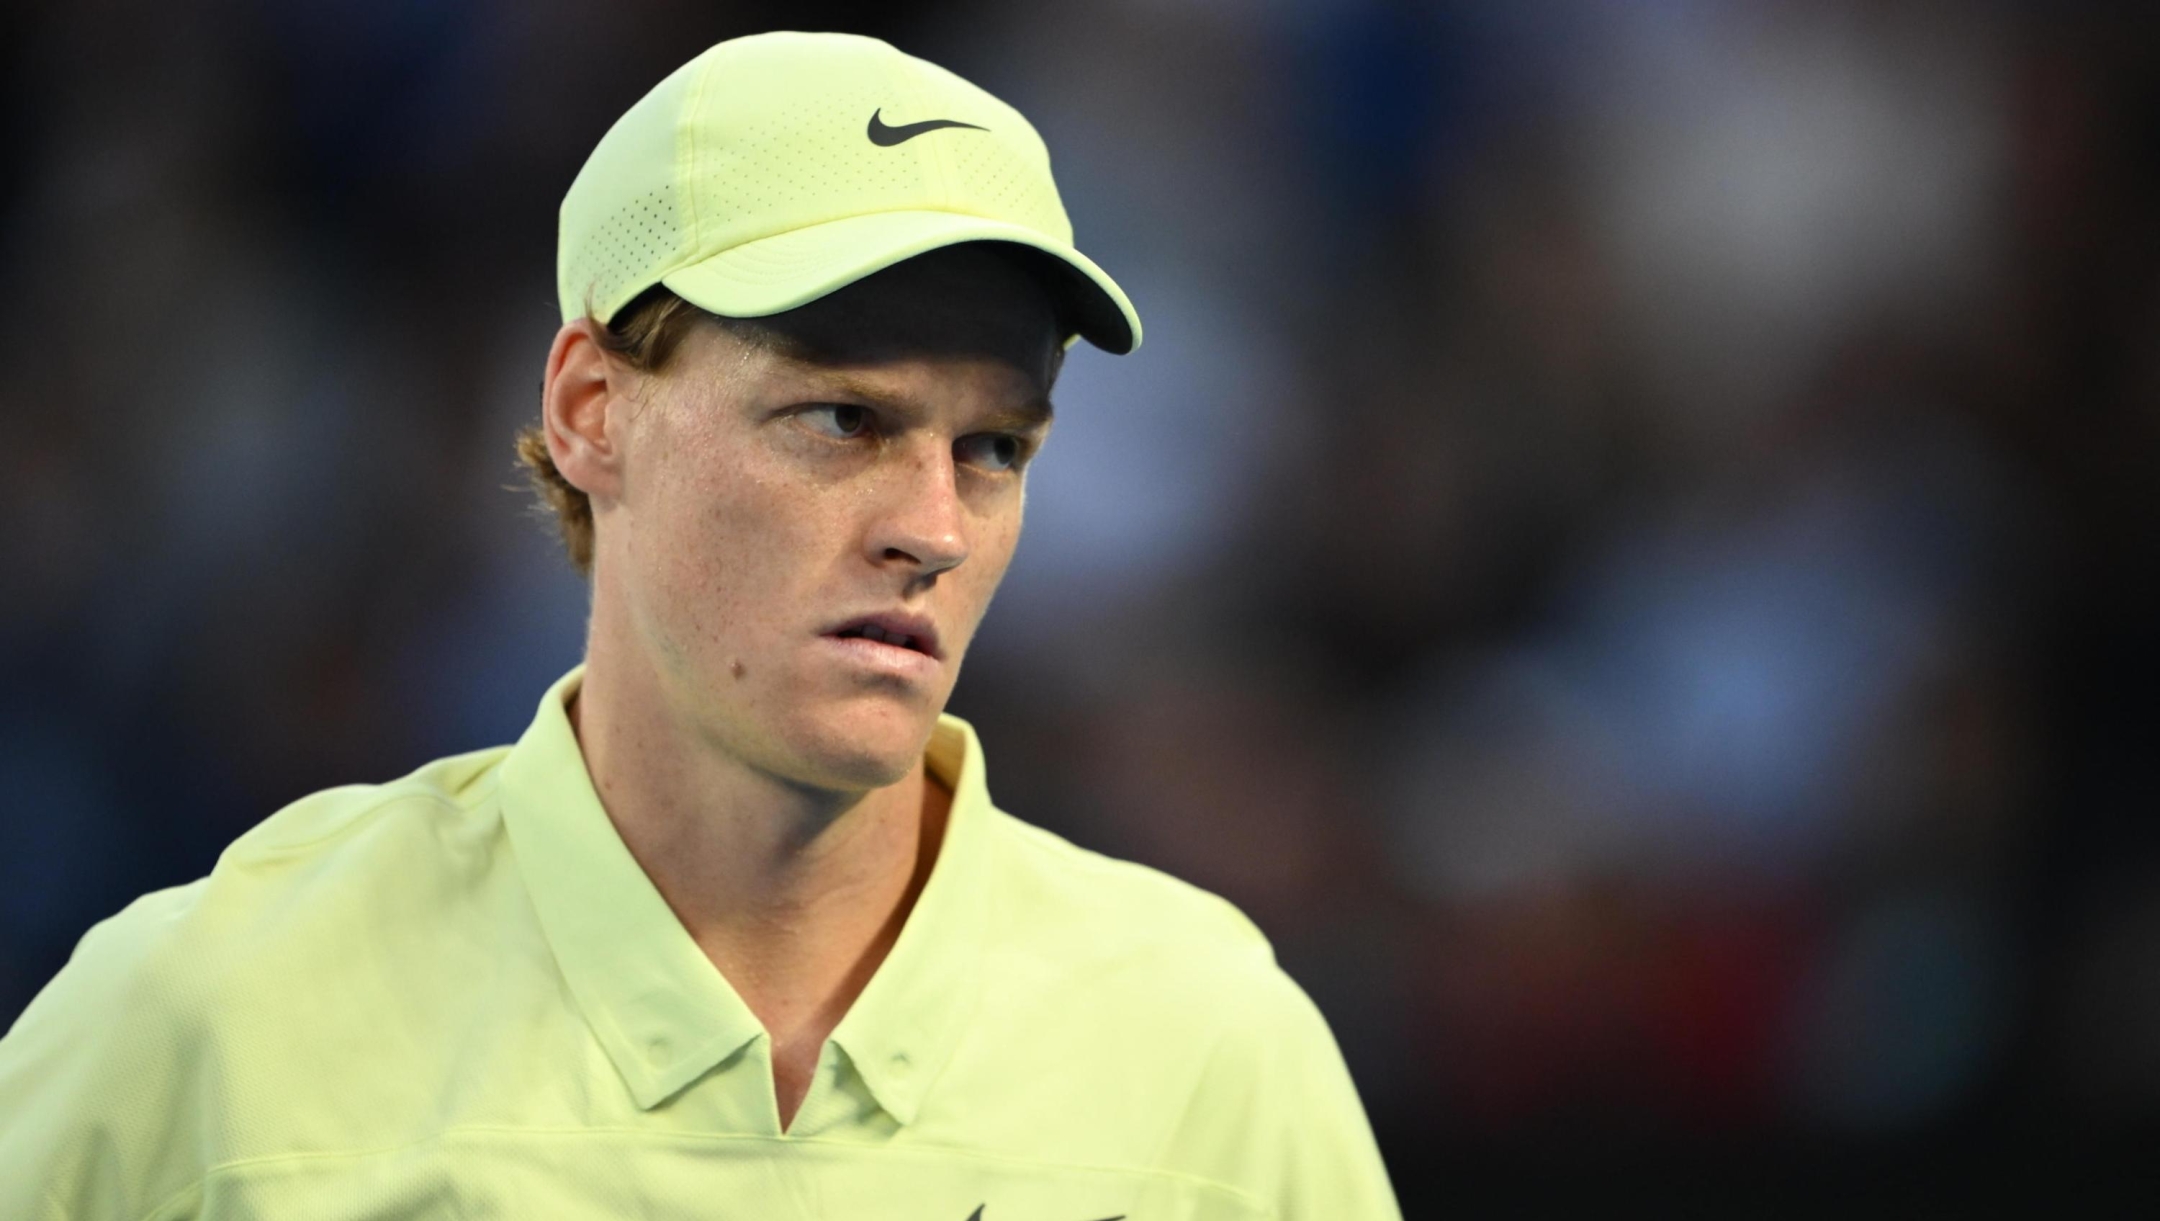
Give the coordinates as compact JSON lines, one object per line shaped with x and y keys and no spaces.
{"x":734,"y":930}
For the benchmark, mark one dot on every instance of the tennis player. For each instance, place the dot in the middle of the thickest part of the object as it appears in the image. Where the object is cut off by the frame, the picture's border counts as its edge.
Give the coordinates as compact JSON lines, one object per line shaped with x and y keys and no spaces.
{"x":734,"y":930}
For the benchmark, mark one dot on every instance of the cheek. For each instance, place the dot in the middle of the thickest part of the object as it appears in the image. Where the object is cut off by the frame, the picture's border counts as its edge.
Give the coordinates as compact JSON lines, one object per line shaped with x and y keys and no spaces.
{"x":999,"y":543}
{"x":725,"y":546}
{"x":744,"y":542}
{"x":996,"y":540}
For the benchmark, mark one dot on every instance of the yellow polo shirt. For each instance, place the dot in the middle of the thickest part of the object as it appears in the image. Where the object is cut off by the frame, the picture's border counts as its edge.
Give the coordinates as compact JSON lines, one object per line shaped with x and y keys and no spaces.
{"x":457,"y":995}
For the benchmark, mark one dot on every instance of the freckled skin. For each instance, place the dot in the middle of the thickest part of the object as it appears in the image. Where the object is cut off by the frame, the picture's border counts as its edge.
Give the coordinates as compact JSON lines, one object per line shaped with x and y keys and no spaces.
{"x":740,"y":527}
{"x":748,"y":531}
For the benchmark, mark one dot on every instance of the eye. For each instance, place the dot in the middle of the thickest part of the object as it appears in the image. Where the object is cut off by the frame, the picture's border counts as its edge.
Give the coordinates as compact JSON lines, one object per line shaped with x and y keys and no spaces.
{"x":842,"y":421}
{"x":995,"y":451}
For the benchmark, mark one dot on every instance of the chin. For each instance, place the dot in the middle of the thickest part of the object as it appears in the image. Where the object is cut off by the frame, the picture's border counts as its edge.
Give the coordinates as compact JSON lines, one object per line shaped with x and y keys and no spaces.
{"x":861,"y":744}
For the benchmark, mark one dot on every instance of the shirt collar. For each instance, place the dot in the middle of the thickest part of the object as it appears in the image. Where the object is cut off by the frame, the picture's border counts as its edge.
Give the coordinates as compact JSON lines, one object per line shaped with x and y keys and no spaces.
{"x":903,"y":1029}
{"x":659,"y":1008}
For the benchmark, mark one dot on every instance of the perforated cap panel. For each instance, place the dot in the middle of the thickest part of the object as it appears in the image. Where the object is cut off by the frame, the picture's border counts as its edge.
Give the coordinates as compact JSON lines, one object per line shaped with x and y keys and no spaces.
{"x":616,"y":257}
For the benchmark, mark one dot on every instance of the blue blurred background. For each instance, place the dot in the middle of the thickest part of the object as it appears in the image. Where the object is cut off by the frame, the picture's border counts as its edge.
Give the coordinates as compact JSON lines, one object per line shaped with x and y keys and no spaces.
{"x":1629,"y":548}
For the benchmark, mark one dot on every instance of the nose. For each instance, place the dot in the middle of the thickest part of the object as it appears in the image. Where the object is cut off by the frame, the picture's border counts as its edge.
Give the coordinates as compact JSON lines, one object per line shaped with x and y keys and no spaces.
{"x":920,"y":520}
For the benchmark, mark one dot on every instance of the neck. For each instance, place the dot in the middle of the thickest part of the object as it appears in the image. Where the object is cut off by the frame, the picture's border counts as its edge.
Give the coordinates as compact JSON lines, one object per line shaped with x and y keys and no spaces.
{"x":795,"y":893}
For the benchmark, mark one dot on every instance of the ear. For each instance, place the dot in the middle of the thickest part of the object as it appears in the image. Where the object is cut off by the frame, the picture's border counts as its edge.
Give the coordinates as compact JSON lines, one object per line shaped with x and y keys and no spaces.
{"x":581,"y":401}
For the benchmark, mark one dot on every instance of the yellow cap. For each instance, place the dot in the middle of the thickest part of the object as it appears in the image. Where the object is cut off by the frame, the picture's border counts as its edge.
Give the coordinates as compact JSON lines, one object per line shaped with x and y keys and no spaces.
{"x":775,"y":168}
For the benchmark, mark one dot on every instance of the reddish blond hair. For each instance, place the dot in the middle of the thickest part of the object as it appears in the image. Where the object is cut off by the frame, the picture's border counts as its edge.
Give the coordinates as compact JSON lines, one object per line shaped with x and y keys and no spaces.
{"x":643,"y":335}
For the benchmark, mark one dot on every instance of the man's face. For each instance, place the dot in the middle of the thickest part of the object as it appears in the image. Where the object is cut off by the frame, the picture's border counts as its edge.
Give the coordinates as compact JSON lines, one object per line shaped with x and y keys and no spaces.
{"x":863,"y":469}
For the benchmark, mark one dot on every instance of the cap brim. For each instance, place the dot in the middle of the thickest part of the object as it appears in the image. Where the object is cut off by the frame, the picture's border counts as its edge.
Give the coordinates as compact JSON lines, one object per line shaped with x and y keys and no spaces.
{"x":789,"y":269}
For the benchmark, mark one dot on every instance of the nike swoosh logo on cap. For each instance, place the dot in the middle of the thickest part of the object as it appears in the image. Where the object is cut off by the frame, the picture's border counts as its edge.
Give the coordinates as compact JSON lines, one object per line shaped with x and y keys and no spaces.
{"x":886,"y":136}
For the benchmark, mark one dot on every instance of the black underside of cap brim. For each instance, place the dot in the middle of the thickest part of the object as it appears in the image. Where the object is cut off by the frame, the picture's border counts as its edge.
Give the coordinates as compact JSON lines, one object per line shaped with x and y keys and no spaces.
{"x":1083,"y":308}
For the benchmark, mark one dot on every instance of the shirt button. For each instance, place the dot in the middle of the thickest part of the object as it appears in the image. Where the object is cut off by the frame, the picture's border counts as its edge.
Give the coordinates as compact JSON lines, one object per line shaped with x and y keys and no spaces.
{"x":901,"y":1063}
{"x":657,"y":1048}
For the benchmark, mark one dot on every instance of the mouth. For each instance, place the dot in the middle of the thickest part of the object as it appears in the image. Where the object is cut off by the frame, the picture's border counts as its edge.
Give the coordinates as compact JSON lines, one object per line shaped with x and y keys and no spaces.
{"x":892,"y":630}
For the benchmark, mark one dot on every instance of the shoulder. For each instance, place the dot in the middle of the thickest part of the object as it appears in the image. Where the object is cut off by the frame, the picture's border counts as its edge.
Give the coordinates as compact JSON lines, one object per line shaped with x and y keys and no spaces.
{"x":1116,"y":905}
{"x":166,"y":947}
{"x":163,"y":1001}
{"x":1224,"y":1070}
{"x":137,"y":1042}
{"x":355,"y":817}
{"x":311,"y":881}
{"x":1157,"y":1012}
{"x":1165,"y":949}
{"x":172,"y":936}
{"x":307,"y":877}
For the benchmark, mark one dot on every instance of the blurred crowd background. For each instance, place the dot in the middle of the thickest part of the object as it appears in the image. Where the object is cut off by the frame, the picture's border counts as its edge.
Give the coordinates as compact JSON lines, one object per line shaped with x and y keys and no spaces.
{"x":1628,"y":549}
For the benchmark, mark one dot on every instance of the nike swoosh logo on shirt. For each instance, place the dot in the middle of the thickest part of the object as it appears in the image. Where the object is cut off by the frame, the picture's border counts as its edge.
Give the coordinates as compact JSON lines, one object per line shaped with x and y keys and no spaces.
{"x":886,"y":136}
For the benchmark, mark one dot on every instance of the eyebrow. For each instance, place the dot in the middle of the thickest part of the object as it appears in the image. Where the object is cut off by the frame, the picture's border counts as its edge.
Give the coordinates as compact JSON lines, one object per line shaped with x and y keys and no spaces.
{"x":1031,"y":416}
